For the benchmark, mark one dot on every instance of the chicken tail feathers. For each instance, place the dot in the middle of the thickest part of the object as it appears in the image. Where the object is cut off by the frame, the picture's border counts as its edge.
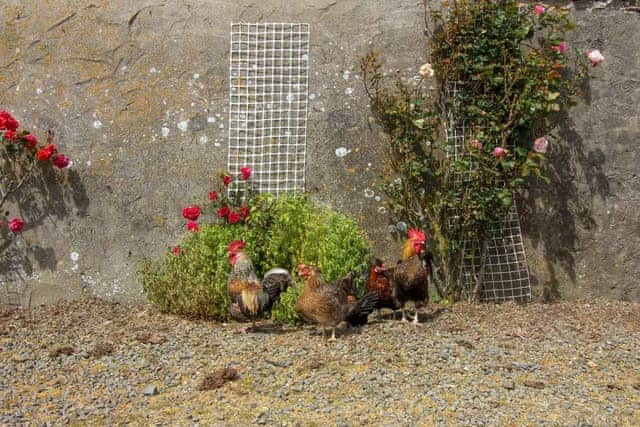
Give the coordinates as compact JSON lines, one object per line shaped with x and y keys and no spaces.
{"x":359,"y":314}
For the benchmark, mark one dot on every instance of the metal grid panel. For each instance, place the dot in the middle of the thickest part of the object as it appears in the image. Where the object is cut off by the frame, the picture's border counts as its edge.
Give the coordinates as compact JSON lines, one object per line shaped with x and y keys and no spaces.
{"x":268,"y":101}
{"x":506,"y":274}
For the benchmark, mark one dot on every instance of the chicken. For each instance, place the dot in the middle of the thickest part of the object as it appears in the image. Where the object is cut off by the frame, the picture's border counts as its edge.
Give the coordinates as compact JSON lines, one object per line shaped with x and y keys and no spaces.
{"x":328,"y":304}
{"x":410,"y":276}
{"x":379,"y":283}
{"x":250,"y":297}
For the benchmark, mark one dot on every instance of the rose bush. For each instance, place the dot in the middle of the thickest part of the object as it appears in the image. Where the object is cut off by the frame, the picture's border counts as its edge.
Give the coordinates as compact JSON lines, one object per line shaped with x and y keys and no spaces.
{"x":503,"y":76}
{"x":21,"y":160}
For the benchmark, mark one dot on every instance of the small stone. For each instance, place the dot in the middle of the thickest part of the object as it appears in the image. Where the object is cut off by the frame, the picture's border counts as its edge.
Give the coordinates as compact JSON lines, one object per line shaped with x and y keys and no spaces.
{"x":19,"y":358}
{"x":57,"y":350}
{"x":150,"y":390}
{"x":509,"y":385}
{"x":535,"y":384}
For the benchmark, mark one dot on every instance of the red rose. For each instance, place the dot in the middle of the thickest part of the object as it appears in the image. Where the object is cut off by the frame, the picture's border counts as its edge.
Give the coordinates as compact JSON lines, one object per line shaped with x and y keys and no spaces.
{"x":226,"y":179}
{"x":244,"y":212}
{"x":233,"y":218}
{"x":192,"y":226}
{"x":61,"y":161}
{"x":213,"y":195}
{"x":46,"y":152}
{"x":16,"y":225}
{"x":43,"y":155}
{"x":31,"y":141}
{"x":8,"y":122}
{"x":223,"y":211}
{"x":10,"y":135}
{"x":245,"y":172}
{"x":191,"y":213}
{"x":176,"y":250}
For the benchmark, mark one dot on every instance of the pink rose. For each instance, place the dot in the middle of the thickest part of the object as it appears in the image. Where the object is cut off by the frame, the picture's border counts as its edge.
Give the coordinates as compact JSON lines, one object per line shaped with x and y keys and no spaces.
{"x":539,"y":9}
{"x":226,"y":179}
{"x":595,"y":57}
{"x":541,"y":145}
{"x":191,"y":213}
{"x":61,"y":161}
{"x":562,"y":48}
{"x":193,"y":226}
{"x":499,"y":152}
{"x":245,"y":173}
{"x":16,"y":225}
{"x":213,"y":195}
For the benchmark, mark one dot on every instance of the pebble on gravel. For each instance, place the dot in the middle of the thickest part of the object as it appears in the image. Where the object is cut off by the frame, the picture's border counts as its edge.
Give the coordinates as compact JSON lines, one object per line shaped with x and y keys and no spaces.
{"x":58,"y":350}
{"x":101,"y":349}
{"x":150,"y":390}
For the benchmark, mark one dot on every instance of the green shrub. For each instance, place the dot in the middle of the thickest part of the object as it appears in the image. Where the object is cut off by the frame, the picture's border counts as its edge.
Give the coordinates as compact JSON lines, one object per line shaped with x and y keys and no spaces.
{"x":280,"y":232}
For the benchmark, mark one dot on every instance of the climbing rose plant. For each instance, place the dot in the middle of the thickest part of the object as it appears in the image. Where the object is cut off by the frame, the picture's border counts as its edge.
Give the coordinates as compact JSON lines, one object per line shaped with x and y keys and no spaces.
{"x":21,"y":159}
{"x":505,"y":71}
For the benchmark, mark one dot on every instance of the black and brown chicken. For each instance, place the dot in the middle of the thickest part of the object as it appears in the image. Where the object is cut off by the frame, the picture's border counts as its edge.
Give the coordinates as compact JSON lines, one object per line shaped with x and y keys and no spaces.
{"x":329,"y":304}
{"x":379,"y":283}
{"x":250,"y":297}
{"x":410,"y":276}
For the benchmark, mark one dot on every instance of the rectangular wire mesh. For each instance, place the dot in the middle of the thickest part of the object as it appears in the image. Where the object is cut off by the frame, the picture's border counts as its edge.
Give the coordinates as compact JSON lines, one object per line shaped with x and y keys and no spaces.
{"x":268,"y":101}
{"x":506,"y":271}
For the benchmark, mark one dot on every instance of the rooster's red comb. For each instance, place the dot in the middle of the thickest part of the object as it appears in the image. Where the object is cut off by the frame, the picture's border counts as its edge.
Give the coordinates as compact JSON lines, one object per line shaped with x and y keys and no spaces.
{"x":236,"y":245}
{"x":415,"y":234}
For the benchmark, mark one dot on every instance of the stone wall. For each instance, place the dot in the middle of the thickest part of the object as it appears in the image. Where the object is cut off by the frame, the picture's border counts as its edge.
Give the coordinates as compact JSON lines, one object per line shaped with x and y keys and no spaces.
{"x":136,"y":93}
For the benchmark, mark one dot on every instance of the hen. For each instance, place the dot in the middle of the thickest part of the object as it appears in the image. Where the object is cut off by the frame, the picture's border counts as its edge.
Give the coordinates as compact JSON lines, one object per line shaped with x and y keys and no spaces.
{"x":379,"y":283}
{"x":328,"y":304}
{"x":410,"y":276}
{"x":250,"y":297}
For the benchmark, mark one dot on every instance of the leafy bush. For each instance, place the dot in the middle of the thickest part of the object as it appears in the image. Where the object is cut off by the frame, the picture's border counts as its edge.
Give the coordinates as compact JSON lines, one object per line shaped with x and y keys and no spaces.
{"x":192,"y":279}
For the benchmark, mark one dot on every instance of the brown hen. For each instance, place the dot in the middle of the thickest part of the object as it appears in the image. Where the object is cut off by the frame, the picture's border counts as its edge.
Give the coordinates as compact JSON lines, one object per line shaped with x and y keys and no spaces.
{"x":328,"y":304}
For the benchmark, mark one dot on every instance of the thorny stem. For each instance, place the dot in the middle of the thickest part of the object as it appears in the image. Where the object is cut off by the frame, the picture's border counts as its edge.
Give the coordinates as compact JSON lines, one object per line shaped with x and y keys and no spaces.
{"x":480,"y":277}
{"x":13,"y":187}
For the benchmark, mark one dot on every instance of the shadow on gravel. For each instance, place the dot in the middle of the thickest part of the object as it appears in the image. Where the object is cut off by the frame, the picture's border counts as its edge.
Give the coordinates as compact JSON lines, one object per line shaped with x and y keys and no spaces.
{"x":270,"y":328}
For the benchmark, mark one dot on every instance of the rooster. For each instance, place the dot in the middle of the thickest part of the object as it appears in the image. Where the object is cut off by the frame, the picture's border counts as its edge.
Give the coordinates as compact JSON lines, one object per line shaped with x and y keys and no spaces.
{"x":379,"y":283}
{"x":250,"y":297}
{"x":329,"y":304}
{"x":410,"y":276}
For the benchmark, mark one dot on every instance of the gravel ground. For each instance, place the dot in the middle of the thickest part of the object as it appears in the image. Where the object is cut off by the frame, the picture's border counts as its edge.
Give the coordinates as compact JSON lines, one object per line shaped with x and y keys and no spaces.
{"x":91,"y":362}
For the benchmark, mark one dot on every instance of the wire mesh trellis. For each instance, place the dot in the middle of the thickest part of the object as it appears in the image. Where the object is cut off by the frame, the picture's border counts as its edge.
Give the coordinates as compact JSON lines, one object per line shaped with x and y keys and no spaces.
{"x":268,"y":101}
{"x":505,"y":275}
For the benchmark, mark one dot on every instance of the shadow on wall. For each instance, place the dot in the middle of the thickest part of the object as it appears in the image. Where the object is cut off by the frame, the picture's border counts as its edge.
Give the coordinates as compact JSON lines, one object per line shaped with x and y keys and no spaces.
{"x":551,"y":215}
{"x":42,"y":198}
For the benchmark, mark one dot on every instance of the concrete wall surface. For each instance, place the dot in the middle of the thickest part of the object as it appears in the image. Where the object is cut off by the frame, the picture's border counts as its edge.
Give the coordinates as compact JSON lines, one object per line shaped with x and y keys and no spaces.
{"x":136,"y":92}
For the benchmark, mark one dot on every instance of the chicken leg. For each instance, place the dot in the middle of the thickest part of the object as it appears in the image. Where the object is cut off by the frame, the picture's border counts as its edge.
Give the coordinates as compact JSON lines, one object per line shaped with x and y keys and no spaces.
{"x":415,"y":320}
{"x":333,"y":334}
